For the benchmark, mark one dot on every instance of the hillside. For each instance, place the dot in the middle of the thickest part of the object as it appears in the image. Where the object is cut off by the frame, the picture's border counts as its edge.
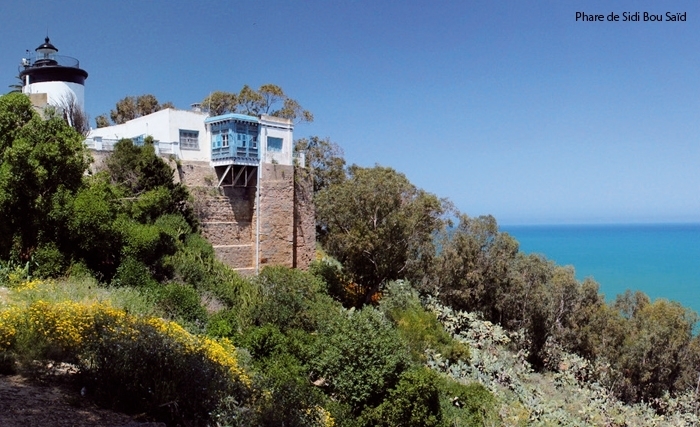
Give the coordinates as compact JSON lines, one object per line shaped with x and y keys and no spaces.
{"x":411,"y":314}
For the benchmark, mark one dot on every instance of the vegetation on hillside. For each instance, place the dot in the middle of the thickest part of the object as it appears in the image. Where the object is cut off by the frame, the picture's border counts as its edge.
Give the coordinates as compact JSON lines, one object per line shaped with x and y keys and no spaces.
{"x":412,"y":314}
{"x":269,"y":99}
{"x":131,"y":107}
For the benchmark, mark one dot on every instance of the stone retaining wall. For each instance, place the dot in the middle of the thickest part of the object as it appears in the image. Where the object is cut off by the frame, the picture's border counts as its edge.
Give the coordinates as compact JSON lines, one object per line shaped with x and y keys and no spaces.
{"x":304,"y":222}
{"x":228,"y":215}
{"x":277,"y":215}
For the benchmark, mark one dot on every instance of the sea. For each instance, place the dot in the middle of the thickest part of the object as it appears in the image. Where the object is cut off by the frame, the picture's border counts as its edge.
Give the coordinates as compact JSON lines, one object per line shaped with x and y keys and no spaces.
{"x":662,"y":260}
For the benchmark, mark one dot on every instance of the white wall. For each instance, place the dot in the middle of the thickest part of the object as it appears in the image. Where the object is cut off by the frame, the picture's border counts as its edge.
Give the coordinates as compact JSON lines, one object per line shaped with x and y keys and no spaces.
{"x":190,"y":120}
{"x":277,"y":128}
{"x":58,"y":92}
{"x":164,"y":126}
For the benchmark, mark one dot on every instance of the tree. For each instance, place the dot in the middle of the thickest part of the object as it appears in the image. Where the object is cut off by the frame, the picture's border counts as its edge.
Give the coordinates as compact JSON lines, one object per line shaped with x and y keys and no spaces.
{"x":218,"y":103}
{"x":147,"y":104}
{"x":41,"y":161}
{"x":73,"y":113}
{"x":132,"y":107}
{"x":101,"y":121}
{"x":249,"y":101}
{"x":124,"y":111}
{"x":378,"y":225}
{"x":16,"y":87}
{"x":324,"y":160}
{"x":148,"y":181}
{"x":137,"y":168}
{"x":652,"y":358}
{"x":269,"y":99}
{"x":472,"y":270}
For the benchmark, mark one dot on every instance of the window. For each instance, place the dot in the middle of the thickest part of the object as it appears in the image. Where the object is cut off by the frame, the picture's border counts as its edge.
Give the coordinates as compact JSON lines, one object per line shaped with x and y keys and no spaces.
{"x":138,"y":140}
{"x":224,"y":140}
{"x":274,"y":144}
{"x":189,"y":139}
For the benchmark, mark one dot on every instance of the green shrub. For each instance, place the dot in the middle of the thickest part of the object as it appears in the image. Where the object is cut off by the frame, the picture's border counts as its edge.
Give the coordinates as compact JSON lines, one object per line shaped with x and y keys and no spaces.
{"x":145,"y":242}
{"x":195,"y":264}
{"x":289,"y":399}
{"x":133,"y":273}
{"x":360,"y":356}
{"x":415,"y":402}
{"x":49,"y":261}
{"x":420,"y":328}
{"x":223,"y":324}
{"x":470,"y":405}
{"x":263,"y":342}
{"x":283,"y":395}
{"x":331,"y":271}
{"x":288,"y":298}
{"x":182,"y":302}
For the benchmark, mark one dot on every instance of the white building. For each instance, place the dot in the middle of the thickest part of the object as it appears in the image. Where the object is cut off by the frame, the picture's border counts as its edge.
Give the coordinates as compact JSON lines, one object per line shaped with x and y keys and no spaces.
{"x":226,"y":140}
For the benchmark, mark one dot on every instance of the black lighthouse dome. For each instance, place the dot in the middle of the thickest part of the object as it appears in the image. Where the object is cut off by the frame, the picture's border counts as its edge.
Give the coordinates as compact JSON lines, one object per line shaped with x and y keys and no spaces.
{"x":47,"y":66}
{"x":45,"y":52}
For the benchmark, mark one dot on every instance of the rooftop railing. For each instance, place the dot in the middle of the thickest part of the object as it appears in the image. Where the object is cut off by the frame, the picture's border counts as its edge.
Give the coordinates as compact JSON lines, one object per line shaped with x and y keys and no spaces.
{"x":53,"y":61}
{"x":107,"y":144}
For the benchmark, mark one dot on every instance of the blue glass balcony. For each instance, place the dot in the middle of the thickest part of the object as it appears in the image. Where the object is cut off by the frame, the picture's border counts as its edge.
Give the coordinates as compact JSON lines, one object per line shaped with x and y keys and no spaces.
{"x":234,"y":139}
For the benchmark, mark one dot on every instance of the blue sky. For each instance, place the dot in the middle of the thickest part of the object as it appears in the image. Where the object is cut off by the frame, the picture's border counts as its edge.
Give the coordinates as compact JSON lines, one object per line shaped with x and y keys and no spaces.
{"x":506,"y":108}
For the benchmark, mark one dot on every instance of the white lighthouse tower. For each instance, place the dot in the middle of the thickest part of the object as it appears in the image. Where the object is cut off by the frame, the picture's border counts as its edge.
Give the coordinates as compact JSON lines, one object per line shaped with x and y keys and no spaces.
{"x":53,"y":79}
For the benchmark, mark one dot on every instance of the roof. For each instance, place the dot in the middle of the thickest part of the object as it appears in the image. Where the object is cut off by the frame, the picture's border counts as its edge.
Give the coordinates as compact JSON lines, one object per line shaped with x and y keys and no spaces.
{"x":232,"y":116}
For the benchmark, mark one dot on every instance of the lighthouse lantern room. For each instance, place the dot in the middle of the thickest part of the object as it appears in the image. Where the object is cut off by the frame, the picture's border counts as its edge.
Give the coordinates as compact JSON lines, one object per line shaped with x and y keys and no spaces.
{"x":53,"y":79}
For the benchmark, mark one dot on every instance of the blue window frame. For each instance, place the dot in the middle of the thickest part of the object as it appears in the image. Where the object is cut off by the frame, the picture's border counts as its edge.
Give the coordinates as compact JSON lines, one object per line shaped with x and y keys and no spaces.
{"x":274,"y":144}
{"x":189,"y":139}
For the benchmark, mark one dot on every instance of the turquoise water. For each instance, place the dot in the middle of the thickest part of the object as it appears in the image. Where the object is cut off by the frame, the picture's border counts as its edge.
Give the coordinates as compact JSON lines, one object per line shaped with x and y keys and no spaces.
{"x":661,"y":260}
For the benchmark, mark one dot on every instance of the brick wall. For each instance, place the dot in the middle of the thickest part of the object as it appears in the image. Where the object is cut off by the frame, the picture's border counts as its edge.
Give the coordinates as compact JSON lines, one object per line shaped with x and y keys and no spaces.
{"x":277,"y":215}
{"x":228,"y":215}
{"x":304,"y":221}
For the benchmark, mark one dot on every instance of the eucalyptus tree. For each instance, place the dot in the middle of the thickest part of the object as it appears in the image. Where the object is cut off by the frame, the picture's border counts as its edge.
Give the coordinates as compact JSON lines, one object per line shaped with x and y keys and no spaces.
{"x":269,"y":99}
{"x":379,"y":226}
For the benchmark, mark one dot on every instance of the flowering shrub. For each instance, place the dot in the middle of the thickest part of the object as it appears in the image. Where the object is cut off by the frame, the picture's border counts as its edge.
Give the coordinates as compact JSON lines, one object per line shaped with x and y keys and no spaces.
{"x":9,"y":318}
{"x":136,"y":364}
{"x":63,"y":326}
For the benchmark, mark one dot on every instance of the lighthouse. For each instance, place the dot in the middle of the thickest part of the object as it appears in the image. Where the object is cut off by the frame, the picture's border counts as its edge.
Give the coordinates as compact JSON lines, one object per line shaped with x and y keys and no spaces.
{"x":53,"y":79}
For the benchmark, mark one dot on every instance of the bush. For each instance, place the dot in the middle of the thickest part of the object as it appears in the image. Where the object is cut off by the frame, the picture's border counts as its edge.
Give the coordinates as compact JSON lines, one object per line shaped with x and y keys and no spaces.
{"x":331,"y":271}
{"x":133,"y":273}
{"x":415,"y":402}
{"x":156,"y":367}
{"x":49,"y":260}
{"x":137,"y":365}
{"x":263,"y":342}
{"x":182,"y":302}
{"x":470,"y":405}
{"x":287,"y":397}
{"x":288,"y":298}
{"x":223,"y":324}
{"x":423,"y":331}
{"x":418,"y":327}
{"x":360,"y":356}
